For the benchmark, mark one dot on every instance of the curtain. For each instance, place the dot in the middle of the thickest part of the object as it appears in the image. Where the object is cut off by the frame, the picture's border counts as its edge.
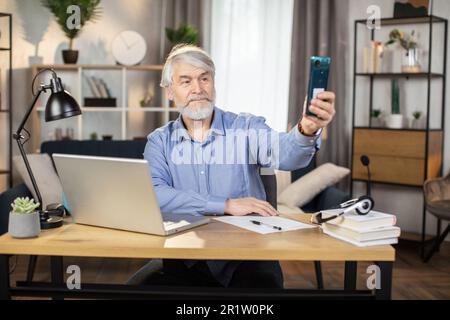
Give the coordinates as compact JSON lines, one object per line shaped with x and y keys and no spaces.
{"x":250,"y":43}
{"x":321,"y":28}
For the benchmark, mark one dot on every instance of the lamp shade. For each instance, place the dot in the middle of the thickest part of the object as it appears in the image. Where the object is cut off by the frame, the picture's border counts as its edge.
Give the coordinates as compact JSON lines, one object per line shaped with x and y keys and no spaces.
{"x":61,"y":105}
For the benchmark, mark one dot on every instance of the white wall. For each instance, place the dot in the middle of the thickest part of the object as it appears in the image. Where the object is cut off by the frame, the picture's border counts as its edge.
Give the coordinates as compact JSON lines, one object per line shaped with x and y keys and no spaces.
{"x":406,"y":203}
{"x":33,"y":24}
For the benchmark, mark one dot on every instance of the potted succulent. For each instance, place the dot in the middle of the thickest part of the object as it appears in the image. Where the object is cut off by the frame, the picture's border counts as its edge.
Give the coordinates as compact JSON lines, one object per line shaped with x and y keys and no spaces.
{"x":90,"y":11}
{"x":93,"y":136}
{"x":416,"y":120}
{"x":24,"y":220}
{"x":376,"y":118}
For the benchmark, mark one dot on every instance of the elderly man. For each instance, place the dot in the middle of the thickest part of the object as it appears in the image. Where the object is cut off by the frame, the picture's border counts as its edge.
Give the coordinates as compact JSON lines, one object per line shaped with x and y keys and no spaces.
{"x":190,"y":174}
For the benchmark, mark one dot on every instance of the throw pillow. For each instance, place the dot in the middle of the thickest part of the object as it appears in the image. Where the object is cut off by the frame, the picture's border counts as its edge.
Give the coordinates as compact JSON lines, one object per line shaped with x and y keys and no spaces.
{"x":282,"y":208}
{"x":311,"y":184}
{"x":283,"y":180}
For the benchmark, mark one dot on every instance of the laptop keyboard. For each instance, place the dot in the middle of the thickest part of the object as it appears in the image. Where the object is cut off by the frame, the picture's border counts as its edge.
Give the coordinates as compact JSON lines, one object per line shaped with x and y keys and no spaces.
{"x":168,"y":223}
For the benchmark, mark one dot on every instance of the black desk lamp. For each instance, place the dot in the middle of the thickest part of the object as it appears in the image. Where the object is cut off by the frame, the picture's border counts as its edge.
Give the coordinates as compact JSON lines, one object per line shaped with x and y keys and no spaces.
{"x":60,"y":105}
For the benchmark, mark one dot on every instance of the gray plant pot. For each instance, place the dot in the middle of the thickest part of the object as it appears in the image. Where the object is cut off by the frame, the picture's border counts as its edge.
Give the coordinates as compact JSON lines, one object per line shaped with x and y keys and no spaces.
{"x":24,"y":225}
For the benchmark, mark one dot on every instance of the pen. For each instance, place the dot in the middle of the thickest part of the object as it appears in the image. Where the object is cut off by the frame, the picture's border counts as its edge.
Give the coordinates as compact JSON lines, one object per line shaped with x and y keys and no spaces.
{"x":259,"y":223}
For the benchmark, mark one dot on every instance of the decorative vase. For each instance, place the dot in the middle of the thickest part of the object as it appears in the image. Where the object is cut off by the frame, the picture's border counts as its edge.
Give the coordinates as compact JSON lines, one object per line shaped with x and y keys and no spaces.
{"x":387,"y":65}
{"x":35,"y":60}
{"x":394,"y":121}
{"x":24,"y":225}
{"x":410,"y":63}
{"x":70,"y":56}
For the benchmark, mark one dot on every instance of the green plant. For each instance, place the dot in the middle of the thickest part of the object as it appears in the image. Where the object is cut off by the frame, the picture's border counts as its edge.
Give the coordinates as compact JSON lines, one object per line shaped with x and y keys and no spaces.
{"x":184,"y":34}
{"x":146,"y":101}
{"x":407,"y":42}
{"x":376,"y":113}
{"x":417,"y":115}
{"x":90,"y":11}
{"x":395,"y":97}
{"x":24,"y":205}
{"x":94,"y":136}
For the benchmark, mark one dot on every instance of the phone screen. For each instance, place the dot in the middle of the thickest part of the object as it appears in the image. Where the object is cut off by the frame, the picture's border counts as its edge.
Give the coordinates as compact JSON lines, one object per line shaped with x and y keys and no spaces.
{"x":318,"y":79}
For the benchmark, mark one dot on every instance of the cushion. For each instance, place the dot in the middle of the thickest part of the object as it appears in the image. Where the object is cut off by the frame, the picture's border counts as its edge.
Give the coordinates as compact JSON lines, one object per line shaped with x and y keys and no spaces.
{"x":283,"y":180}
{"x":311,"y":184}
{"x":46,"y":178}
{"x":285,"y":209}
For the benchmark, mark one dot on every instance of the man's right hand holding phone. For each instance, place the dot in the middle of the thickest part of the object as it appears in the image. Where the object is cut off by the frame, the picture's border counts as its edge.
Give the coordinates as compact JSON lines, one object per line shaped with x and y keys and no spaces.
{"x":323,"y":107}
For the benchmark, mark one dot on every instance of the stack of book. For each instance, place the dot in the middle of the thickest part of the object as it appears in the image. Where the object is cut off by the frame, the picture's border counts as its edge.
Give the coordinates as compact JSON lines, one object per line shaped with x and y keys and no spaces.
{"x":98,"y":87}
{"x":101,"y":95}
{"x":375,"y":228}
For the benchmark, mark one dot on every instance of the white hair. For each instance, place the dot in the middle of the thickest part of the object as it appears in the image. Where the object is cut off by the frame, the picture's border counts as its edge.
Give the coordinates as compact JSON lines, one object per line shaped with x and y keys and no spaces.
{"x":189,"y":54}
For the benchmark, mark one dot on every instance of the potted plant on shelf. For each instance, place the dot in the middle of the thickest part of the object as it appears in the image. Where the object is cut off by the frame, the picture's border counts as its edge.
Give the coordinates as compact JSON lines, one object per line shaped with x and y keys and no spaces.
{"x":184,"y":34}
{"x":376,"y":118}
{"x":147,"y":100}
{"x":90,"y":11}
{"x":93,"y":136}
{"x":24,"y":220}
{"x":410,"y":62}
{"x":395,"y":119}
{"x":416,"y":120}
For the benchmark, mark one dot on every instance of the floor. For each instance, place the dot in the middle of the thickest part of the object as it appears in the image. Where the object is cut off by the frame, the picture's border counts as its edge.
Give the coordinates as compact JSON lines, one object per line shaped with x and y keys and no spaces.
{"x":413,"y":279}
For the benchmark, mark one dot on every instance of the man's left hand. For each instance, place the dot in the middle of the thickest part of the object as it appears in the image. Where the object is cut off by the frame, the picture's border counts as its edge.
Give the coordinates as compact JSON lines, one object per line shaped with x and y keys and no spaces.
{"x":323,"y":108}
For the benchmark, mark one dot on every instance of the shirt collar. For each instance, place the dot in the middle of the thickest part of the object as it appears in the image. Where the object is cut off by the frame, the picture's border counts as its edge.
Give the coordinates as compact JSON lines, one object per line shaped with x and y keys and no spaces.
{"x":217,"y":127}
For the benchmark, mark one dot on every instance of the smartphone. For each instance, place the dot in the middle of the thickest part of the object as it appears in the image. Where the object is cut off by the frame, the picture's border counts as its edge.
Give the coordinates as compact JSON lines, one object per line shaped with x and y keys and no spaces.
{"x":318,"y":79}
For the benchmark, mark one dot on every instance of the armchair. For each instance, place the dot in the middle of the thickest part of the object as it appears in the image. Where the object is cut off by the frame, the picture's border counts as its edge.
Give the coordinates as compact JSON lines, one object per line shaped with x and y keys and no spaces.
{"x":437,"y":199}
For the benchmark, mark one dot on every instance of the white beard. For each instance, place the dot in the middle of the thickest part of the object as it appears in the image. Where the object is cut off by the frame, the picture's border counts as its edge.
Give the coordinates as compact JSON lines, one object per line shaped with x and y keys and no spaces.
{"x":197,"y":115}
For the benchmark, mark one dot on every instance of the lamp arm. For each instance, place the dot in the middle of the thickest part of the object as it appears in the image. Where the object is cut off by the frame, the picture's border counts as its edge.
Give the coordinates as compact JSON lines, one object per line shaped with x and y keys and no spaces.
{"x":27,"y":115}
{"x":18,"y":137}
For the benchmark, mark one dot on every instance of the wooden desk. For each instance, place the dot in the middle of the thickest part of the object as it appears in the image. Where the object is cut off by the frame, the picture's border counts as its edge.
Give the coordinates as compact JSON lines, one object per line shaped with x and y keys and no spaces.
{"x":216,"y":240}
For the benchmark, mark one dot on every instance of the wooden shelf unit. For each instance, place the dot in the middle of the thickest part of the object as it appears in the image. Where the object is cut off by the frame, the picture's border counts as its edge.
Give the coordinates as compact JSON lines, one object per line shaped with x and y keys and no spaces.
{"x":123,"y":108}
{"x":401,"y":157}
{"x":6,"y":110}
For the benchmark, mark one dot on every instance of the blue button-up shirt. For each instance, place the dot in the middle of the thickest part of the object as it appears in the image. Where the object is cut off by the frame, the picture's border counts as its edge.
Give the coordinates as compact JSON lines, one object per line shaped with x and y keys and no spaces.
{"x":198,"y":177}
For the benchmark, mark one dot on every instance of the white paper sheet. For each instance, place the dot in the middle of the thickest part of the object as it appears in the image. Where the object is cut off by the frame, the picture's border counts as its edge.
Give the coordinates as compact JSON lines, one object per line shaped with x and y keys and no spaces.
{"x":245,"y":223}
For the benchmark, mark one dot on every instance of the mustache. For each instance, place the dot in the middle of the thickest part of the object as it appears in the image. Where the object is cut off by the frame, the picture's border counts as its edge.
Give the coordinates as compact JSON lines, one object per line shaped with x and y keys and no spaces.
{"x":198,"y":98}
